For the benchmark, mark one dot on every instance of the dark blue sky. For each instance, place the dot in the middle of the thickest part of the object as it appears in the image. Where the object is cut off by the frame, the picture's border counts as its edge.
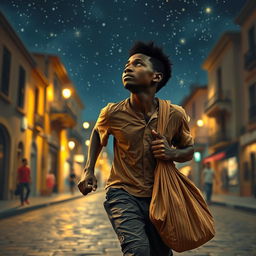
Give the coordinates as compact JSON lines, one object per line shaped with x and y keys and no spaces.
{"x":93,"y":38}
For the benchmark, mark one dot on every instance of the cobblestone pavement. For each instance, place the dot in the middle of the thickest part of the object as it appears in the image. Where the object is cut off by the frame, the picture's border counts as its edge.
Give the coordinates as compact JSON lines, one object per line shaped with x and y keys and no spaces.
{"x":81,"y":227}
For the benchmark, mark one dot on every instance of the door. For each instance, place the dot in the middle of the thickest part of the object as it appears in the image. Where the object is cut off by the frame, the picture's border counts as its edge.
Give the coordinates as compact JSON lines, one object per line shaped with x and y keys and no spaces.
{"x":253,"y":173}
{"x":4,"y":161}
{"x":33,"y":167}
{"x":54,"y":166}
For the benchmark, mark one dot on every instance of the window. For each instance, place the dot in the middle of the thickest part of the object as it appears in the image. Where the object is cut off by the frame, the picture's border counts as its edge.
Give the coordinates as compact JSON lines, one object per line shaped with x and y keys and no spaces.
{"x":252,"y":102}
{"x":46,"y":65}
{"x":21,"y":87}
{"x":219,"y":81}
{"x":246,"y":171}
{"x":252,"y":95}
{"x":251,"y":39}
{"x":57,"y":91}
{"x":6,"y":68}
{"x":36,"y":100}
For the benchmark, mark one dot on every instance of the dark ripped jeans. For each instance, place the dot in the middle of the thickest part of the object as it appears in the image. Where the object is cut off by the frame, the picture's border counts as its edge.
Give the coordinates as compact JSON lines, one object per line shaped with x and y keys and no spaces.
{"x":129,"y":216}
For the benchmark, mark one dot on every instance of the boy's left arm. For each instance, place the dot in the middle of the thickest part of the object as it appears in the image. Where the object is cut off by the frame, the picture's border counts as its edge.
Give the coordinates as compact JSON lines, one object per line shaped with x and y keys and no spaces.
{"x":162,"y":150}
{"x":183,"y":141}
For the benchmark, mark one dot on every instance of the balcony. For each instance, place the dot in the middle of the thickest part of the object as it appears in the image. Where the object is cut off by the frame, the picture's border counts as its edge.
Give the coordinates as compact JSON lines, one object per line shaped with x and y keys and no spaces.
{"x":219,"y":138}
{"x":38,"y":121}
{"x":62,"y":115}
{"x":250,"y":59}
{"x":219,"y":102}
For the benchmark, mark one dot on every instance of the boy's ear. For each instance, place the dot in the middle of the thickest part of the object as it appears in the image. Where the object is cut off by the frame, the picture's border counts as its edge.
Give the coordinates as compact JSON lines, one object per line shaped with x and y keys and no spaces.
{"x":158,"y":76}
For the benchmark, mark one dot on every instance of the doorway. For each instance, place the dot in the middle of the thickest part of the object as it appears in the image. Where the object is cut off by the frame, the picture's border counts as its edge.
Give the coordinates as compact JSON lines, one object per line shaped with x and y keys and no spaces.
{"x":4,"y":161}
{"x":253,"y":173}
{"x":33,"y":165}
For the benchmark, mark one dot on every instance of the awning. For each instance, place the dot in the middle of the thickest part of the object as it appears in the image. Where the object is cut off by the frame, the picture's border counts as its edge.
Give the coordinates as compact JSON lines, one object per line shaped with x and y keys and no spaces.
{"x":223,"y":153}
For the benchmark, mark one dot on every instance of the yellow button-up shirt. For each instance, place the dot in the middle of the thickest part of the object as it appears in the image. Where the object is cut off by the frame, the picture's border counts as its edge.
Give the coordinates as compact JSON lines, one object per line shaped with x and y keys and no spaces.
{"x":134,"y":163}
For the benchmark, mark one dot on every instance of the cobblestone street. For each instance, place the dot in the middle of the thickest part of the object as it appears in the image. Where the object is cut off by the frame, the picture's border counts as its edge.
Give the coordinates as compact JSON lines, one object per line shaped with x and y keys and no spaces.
{"x":81,"y":227}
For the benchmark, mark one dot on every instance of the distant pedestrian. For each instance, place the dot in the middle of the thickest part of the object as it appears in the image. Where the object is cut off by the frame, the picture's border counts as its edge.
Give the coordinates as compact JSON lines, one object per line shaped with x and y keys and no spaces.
{"x":72,"y":181}
{"x":24,"y":180}
{"x":50,"y":182}
{"x":208,"y":177}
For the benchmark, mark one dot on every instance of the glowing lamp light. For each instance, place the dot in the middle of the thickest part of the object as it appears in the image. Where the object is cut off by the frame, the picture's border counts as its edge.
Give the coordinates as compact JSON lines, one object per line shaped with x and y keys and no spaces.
{"x":71,"y":144}
{"x":66,"y":93}
{"x":87,"y":142}
{"x":200,"y":123}
{"x":197,"y":156}
{"x":86,"y":125}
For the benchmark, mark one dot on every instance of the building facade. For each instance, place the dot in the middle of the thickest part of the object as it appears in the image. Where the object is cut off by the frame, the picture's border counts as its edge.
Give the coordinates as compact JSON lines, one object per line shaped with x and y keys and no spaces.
{"x":223,"y":108}
{"x":198,"y":124}
{"x":36,"y":120}
{"x":247,"y":21}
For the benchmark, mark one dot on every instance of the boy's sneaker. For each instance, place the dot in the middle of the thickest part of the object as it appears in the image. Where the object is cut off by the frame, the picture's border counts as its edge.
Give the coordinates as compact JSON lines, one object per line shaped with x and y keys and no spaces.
{"x":26,"y":201}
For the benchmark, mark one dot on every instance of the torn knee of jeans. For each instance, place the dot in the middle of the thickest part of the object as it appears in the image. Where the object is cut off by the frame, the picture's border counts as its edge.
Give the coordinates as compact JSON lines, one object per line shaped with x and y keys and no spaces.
{"x":120,"y":237}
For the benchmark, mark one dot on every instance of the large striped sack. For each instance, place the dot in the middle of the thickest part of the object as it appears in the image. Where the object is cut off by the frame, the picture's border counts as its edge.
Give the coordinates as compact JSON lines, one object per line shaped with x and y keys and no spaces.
{"x":178,"y":209}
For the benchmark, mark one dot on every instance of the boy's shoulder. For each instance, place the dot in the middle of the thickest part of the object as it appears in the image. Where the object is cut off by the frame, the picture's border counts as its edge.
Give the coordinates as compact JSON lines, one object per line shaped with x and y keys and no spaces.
{"x":179,"y":111}
{"x":115,"y":106}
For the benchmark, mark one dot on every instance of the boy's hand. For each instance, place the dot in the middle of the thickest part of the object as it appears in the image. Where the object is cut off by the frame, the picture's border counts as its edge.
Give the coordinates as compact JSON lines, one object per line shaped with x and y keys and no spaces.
{"x":161,"y":148}
{"x":87,"y":183}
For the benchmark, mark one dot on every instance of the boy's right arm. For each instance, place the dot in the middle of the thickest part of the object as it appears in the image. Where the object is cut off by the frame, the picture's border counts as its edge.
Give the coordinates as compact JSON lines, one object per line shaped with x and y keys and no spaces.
{"x":88,"y":181}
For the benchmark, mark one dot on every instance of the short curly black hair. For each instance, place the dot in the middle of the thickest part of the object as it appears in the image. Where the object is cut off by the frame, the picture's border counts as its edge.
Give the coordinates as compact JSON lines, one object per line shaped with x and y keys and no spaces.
{"x":158,"y":58}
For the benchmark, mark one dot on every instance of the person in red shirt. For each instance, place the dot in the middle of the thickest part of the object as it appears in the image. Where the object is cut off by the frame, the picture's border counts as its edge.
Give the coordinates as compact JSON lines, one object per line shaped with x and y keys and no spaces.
{"x":24,"y":180}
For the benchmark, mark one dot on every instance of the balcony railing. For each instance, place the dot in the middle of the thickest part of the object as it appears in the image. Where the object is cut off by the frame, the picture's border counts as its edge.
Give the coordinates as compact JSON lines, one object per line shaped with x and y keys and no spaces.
{"x":219,"y":137}
{"x":220,"y":96}
{"x":62,"y":112}
{"x":250,"y":59}
{"x":39,"y":120}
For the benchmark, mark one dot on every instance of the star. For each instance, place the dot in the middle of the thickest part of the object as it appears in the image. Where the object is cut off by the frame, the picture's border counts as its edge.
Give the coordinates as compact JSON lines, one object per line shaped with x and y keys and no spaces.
{"x":77,"y":33}
{"x":208,"y":9}
{"x":182,"y":40}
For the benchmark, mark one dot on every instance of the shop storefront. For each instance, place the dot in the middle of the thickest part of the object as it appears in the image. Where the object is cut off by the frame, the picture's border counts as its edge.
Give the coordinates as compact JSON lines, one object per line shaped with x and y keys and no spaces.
{"x":225,"y":163}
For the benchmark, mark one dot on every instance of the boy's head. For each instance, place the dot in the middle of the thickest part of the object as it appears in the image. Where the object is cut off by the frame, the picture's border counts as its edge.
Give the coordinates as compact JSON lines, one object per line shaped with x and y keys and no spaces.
{"x":24,"y":161}
{"x":147,"y":66}
{"x":208,"y":164}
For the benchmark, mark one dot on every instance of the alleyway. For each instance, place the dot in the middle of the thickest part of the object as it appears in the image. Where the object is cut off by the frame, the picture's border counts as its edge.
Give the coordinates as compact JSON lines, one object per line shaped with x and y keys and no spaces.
{"x":81,"y":227}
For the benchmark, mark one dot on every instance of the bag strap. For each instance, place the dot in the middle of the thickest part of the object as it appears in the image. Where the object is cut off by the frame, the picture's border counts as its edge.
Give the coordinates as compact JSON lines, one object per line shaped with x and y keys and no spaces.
{"x":163,"y":115}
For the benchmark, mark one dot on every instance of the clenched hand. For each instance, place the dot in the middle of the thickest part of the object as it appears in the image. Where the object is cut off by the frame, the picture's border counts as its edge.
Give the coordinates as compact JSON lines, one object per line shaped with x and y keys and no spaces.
{"x":87,"y":183}
{"x":161,"y":148}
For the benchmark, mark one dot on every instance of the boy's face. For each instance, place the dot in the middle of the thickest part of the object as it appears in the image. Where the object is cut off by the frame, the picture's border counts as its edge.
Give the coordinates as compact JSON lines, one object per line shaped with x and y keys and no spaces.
{"x":138,"y":73}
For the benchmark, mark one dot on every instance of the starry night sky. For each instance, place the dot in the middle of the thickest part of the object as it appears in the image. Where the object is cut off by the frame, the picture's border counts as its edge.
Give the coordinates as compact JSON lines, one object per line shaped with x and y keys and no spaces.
{"x":93,"y":38}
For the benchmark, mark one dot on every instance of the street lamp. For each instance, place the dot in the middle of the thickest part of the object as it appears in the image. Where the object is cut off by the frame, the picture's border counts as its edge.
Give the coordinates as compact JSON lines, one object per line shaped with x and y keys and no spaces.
{"x":87,"y":143}
{"x":200,"y":122}
{"x":71,"y":144}
{"x":66,"y":93}
{"x":86,"y":125}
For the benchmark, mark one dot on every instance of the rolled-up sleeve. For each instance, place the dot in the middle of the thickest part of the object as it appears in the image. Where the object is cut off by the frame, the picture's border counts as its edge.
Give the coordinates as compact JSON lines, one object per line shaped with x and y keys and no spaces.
{"x":103,"y":125}
{"x":183,"y":137}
